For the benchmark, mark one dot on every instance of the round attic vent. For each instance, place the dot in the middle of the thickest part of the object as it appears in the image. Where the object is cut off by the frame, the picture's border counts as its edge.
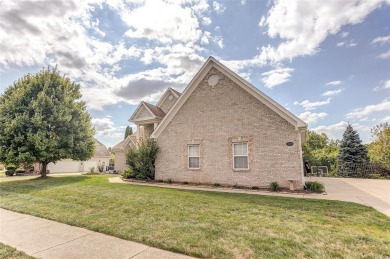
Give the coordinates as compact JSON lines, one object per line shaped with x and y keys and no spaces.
{"x":213,"y":80}
{"x":170,"y":97}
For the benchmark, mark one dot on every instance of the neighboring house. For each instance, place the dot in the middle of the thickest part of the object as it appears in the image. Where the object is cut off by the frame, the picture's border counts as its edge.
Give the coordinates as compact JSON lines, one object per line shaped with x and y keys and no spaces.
{"x":101,"y":157}
{"x":120,"y":150}
{"x":224,"y":130}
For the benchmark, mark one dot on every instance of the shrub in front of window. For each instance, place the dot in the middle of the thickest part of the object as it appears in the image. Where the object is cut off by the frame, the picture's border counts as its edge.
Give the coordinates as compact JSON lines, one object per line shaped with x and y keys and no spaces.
{"x":142,"y":160}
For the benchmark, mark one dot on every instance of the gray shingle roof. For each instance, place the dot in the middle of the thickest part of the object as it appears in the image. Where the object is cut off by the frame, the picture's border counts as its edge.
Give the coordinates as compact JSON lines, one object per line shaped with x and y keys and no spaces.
{"x":101,"y":150}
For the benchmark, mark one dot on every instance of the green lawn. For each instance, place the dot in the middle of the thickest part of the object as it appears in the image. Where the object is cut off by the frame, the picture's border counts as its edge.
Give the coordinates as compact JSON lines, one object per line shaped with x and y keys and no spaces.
{"x":8,"y":252}
{"x":205,"y":224}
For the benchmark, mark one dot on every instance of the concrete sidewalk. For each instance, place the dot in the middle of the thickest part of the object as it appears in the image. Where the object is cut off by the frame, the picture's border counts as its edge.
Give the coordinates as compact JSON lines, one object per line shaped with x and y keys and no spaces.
{"x":44,"y":238}
{"x":369,"y":192}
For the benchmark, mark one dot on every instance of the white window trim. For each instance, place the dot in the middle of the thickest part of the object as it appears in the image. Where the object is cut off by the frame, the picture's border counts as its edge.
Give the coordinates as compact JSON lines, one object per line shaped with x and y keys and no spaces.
{"x":188,"y":155}
{"x":247,"y":155}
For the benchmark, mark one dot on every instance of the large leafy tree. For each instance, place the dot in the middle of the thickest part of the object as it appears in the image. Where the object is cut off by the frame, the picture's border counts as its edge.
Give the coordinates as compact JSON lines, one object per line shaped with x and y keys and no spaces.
{"x":379,"y":148}
{"x":351,"y":148}
{"x":320,"y":150}
{"x":43,"y":120}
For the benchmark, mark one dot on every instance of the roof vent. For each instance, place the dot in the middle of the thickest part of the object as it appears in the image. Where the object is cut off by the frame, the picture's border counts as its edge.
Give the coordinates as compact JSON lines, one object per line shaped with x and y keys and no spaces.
{"x":213,"y":80}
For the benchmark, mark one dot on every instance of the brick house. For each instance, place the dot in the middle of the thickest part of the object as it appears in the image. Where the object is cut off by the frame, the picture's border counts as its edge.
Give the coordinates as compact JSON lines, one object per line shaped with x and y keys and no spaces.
{"x":222,"y":129}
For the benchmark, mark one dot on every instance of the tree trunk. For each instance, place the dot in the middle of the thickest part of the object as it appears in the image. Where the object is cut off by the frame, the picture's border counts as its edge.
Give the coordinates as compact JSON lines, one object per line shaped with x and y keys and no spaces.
{"x":44,"y":169}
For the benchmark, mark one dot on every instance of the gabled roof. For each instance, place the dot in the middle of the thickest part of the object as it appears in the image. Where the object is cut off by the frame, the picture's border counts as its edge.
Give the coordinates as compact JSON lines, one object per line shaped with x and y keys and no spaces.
{"x":124,"y":143}
{"x":152,"y":109}
{"x":168,"y":92}
{"x":155,"y":110}
{"x":212,"y":62}
{"x":101,"y":150}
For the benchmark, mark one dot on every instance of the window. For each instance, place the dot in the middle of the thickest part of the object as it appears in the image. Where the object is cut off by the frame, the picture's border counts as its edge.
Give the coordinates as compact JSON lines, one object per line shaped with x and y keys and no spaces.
{"x":193,"y":156}
{"x":240,"y":155}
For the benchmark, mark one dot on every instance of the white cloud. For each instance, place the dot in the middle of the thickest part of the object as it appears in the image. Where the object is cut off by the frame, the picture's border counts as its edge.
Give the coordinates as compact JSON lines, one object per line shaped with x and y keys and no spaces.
{"x":218,"y":7}
{"x":331,"y":93}
{"x":276,"y":77}
{"x":384,"y":55}
{"x":336,"y":130}
{"x":338,"y":82}
{"x":346,"y":44}
{"x":344,"y":34}
{"x":304,"y":25}
{"x":307,"y":105}
{"x":369,"y":109}
{"x":243,"y":2}
{"x":206,"y":21}
{"x":383,"y":85}
{"x":103,"y":126}
{"x":312,"y":117}
{"x":341,"y":43}
{"x":68,"y":34}
{"x":386,"y":119}
{"x":177,"y":24}
{"x":381,"y":40}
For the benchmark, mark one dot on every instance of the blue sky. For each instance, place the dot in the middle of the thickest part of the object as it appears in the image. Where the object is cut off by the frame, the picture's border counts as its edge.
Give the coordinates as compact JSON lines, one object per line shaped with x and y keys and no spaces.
{"x":328,"y":62}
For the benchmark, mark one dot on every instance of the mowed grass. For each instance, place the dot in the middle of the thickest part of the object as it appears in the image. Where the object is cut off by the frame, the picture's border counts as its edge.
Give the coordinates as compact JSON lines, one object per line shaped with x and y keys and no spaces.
{"x":8,"y":252}
{"x":205,"y":224}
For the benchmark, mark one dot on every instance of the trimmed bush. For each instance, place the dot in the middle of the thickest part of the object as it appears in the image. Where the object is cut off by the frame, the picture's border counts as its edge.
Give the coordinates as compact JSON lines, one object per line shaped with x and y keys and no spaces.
{"x":274,"y":186}
{"x":128,"y":173}
{"x":169,"y":180}
{"x":216,"y":185}
{"x":314,"y":186}
{"x":9,"y":172}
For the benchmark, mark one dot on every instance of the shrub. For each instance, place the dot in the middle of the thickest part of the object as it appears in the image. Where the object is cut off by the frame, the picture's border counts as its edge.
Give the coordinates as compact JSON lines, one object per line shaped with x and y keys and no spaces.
{"x":92,"y":170}
{"x":185,"y":182}
{"x":315,"y":187}
{"x":10,"y":167}
{"x":142,"y":160}
{"x":128,"y":173}
{"x":216,"y":185}
{"x":170,"y":180}
{"x":274,"y":186}
{"x":9,"y":172}
{"x":160,"y":181}
{"x":20,"y":171}
{"x":255,"y":187}
{"x":100,"y":168}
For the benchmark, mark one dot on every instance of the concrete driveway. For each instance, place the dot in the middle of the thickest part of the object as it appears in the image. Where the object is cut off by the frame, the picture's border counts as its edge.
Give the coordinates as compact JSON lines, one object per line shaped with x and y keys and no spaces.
{"x":371,"y":192}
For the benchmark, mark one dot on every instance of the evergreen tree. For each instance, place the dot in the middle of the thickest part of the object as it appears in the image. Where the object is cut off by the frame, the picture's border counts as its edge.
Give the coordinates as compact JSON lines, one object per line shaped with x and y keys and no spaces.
{"x":129,"y":131}
{"x":351,"y":148}
{"x":43,"y":120}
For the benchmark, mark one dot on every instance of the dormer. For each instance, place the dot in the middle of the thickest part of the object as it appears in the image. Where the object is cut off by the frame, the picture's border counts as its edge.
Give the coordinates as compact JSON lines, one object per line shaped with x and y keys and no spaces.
{"x":168,"y":99}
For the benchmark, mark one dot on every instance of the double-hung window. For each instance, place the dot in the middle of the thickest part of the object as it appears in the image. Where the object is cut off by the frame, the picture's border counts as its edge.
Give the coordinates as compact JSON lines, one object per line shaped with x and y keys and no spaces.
{"x":240,"y":156}
{"x":193,"y":156}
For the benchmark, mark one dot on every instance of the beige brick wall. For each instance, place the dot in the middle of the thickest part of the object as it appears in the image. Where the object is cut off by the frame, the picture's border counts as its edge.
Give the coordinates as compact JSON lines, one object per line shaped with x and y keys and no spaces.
{"x":120,"y":161}
{"x":215,"y":117}
{"x":167,"y":104}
